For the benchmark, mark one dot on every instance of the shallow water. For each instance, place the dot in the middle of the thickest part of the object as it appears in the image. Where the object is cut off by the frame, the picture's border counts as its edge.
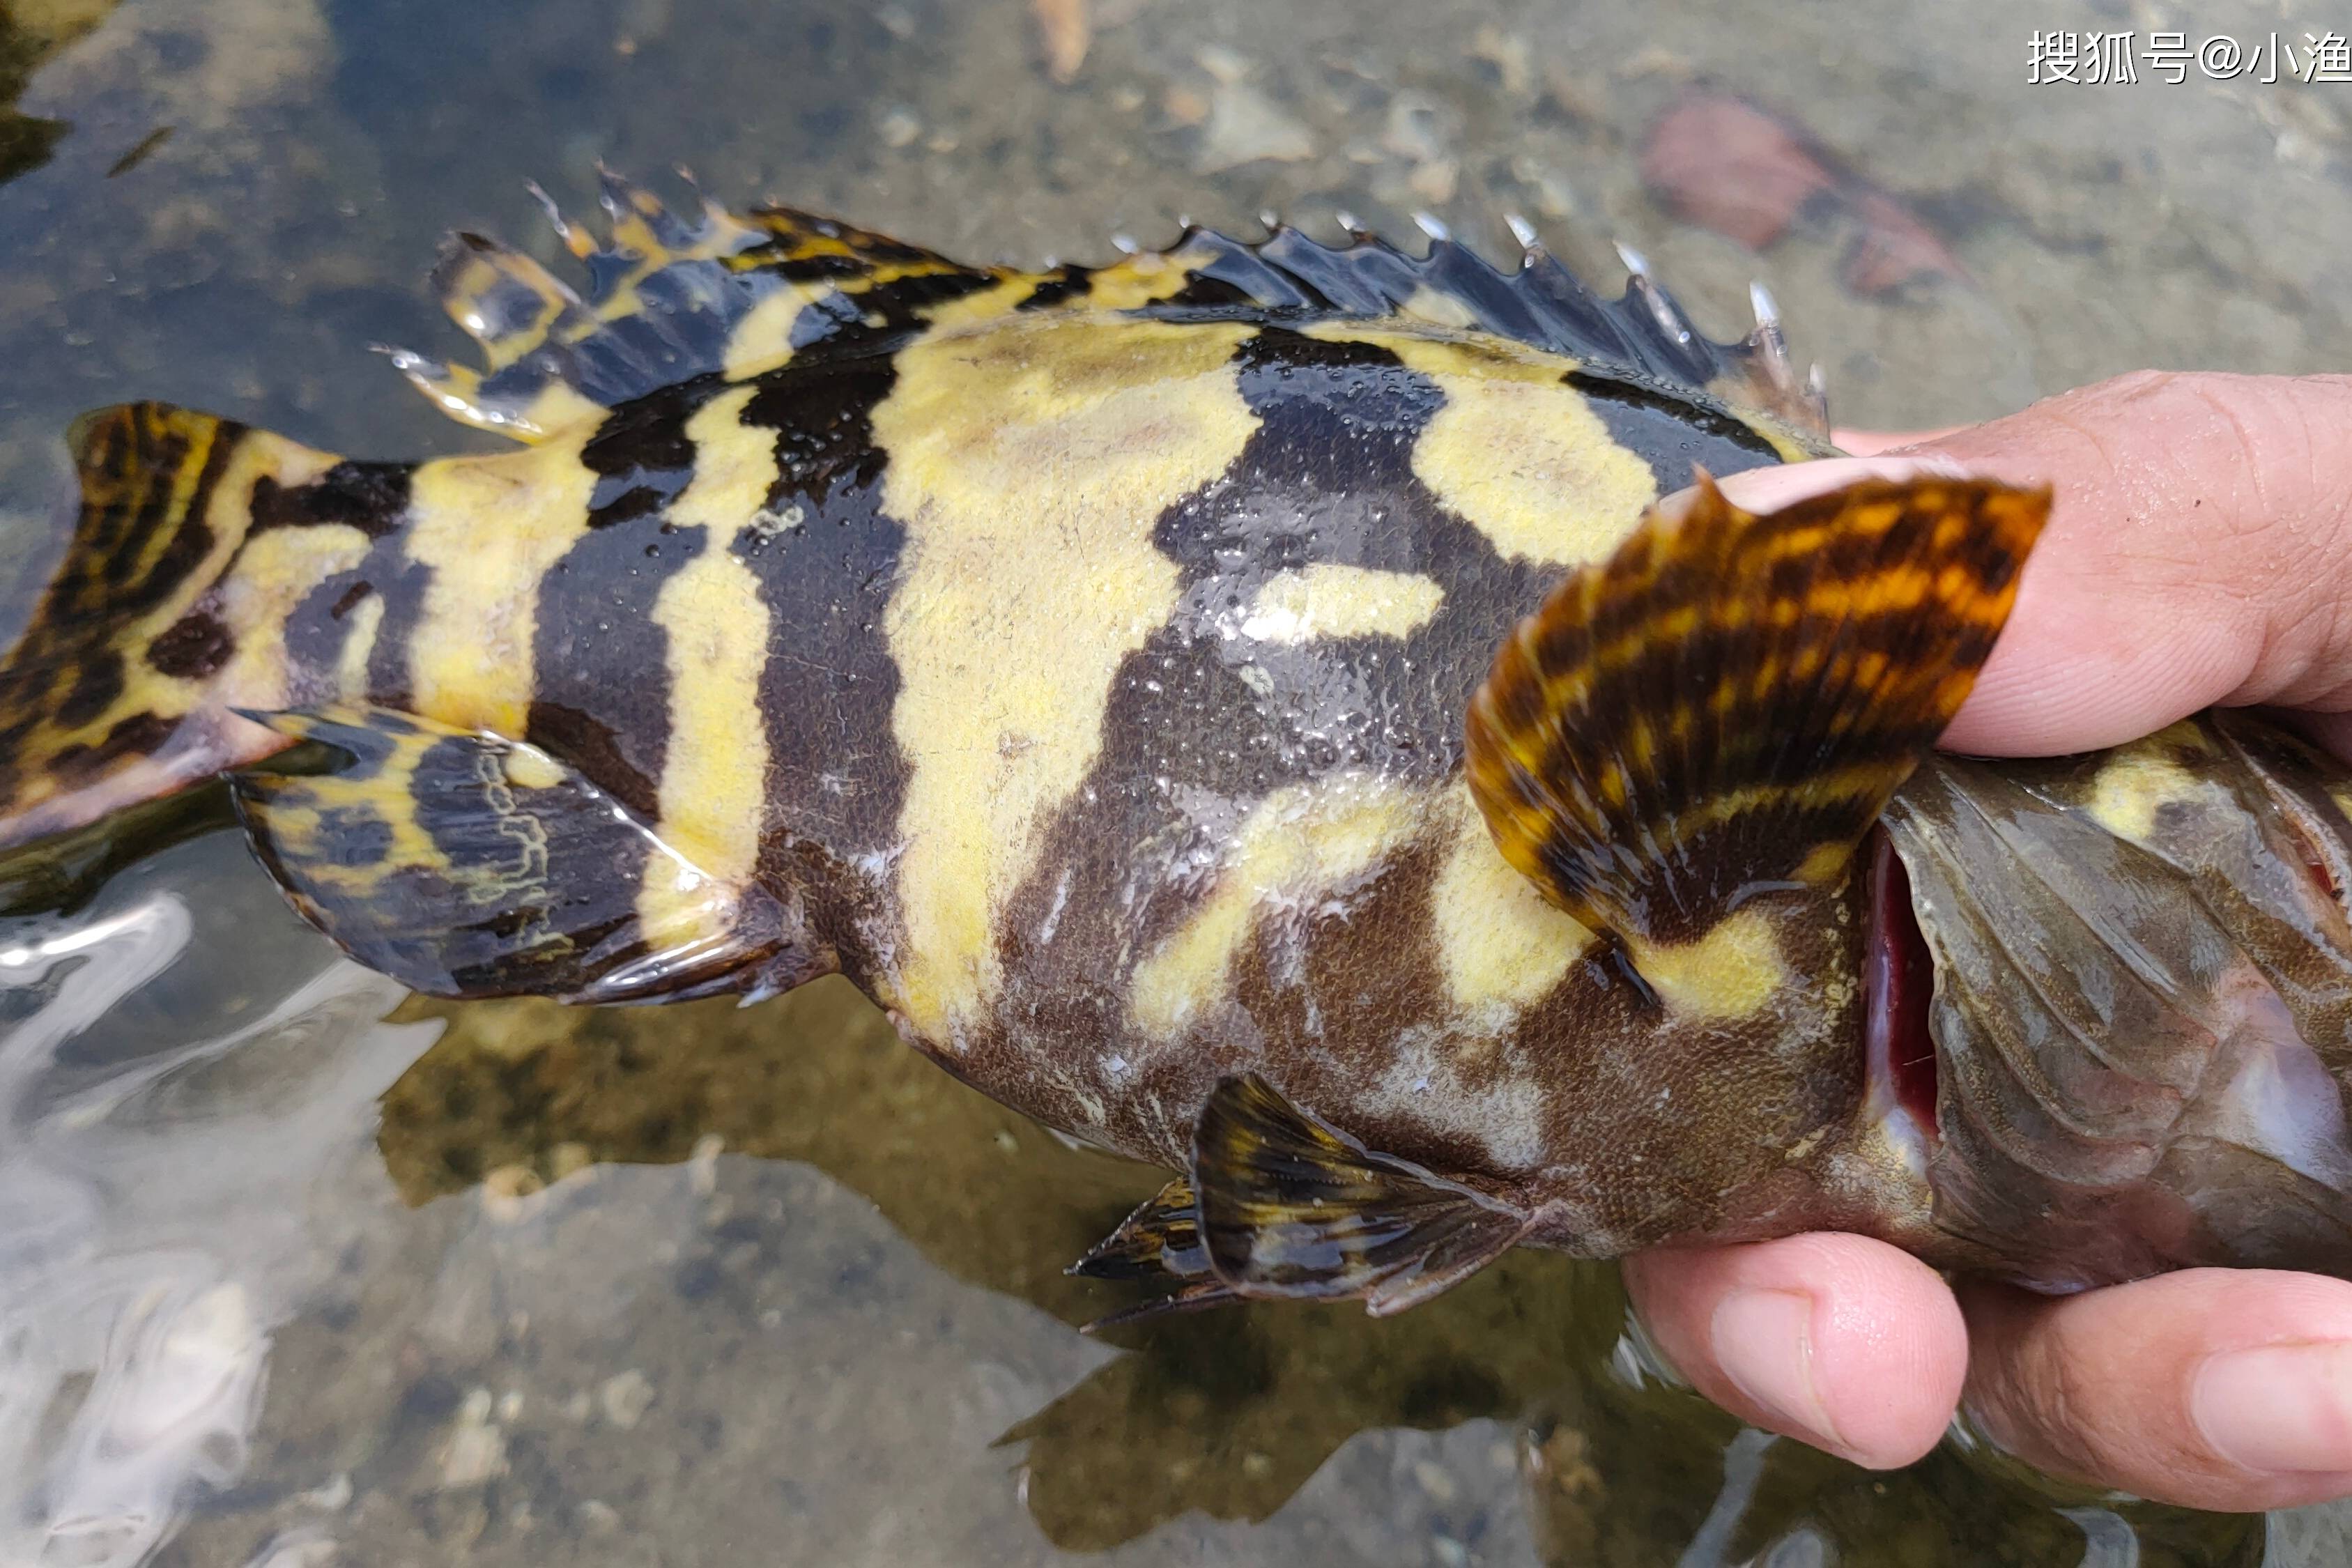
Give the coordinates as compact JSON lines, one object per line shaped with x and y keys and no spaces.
{"x":293,"y":1271}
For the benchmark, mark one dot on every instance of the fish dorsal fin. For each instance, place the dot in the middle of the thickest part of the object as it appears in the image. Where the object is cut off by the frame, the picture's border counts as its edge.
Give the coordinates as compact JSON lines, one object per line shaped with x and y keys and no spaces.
{"x":1642,"y":337}
{"x":1724,"y":707}
{"x":463,"y":864}
{"x":1288,"y":1207}
{"x":668,"y":298}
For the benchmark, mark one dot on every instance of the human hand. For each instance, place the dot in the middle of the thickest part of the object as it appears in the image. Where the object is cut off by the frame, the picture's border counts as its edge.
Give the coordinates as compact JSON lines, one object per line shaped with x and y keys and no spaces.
{"x":2199,"y":554}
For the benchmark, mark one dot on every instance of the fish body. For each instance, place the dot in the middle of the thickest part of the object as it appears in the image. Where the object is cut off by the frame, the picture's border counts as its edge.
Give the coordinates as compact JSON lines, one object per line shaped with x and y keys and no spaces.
{"x":1079,"y":661}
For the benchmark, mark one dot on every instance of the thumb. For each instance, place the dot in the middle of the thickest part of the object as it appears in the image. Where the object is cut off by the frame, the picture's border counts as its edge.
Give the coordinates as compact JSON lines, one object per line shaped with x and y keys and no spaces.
{"x":2199,"y":553}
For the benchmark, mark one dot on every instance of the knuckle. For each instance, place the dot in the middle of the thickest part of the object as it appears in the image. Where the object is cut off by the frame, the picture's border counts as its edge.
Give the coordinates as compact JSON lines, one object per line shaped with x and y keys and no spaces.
{"x":2045,"y":1399}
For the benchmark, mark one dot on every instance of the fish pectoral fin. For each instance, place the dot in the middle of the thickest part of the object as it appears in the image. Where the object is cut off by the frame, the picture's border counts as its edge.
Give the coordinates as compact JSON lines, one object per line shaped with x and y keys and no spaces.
{"x":1160,"y":1245}
{"x":464,"y":864}
{"x":1290,"y":1206}
{"x":1724,"y":707}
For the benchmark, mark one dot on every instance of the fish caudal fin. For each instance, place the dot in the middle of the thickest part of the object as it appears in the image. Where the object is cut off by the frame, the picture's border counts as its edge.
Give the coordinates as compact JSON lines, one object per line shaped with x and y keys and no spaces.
{"x":157,"y":618}
{"x":464,"y":864}
{"x":1724,"y":707}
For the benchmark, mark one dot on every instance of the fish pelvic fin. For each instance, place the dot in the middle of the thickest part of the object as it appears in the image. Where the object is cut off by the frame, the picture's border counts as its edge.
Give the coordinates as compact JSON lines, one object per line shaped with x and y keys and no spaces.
{"x":464,"y":864}
{"x":1724,"y":707}
{"x":1159,"y":1245}
{"x":1290,"y":1206}
{"x":195,"y":537}
{"x":1160,"y":1240}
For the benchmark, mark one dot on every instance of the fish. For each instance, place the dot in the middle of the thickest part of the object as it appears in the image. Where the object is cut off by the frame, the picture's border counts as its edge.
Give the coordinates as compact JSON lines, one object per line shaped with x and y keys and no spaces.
{"x":1246,"y":708}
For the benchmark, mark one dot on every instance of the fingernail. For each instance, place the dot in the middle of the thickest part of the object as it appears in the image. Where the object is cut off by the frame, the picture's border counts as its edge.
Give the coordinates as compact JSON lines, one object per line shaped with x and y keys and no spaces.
{"x":2279,"y":1409}
{"x":1763,"y":1339}
{"x":1769,"y":489}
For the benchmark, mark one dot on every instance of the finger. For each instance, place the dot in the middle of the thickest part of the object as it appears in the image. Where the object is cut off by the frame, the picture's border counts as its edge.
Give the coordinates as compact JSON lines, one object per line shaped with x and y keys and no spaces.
{"x":1837,"y":1340}
{"x":2199,"y":553}
{"x":2213,"y":1388}
{"x":1769,"y":489}
{"x":1870,"y":442}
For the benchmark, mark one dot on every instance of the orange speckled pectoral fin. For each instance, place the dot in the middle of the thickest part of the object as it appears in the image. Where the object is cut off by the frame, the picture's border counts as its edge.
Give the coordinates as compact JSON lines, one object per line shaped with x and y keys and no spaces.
{"x":1725,"y":706}
{"x":464,"y":864}
{"x":1288,"y":1207}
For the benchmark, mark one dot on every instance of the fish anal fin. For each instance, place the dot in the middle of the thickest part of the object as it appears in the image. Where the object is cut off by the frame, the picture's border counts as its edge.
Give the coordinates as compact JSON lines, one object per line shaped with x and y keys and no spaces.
{"x":464,"y":864}
{"x":1290,"y":1206}
{"x":1724,"y":707}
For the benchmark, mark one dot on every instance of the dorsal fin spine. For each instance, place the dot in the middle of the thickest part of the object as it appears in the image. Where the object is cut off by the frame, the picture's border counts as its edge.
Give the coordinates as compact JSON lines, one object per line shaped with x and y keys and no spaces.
{"x":664,"y":294}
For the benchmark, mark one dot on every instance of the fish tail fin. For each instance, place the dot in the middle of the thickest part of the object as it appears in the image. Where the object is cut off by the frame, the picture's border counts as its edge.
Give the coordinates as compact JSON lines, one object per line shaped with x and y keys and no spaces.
{"x":118,"y":688}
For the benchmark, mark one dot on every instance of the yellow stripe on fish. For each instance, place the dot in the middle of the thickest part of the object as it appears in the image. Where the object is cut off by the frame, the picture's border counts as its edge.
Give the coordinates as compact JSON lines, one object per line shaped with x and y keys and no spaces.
{"x":1005,"y":669}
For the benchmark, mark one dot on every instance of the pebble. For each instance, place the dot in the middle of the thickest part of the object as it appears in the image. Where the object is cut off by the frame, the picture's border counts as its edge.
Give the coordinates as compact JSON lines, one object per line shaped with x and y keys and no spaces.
{"x":476,"y":1451}
{"x":702,"y":1165}
{"x":332,"y":1497}
{"x":1245,"y":127}
{"x":625,"y":1398}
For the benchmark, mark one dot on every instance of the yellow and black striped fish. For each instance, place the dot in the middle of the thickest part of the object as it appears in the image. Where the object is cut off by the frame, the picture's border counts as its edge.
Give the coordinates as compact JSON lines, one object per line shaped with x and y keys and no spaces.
{"x":1240,"y":678}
